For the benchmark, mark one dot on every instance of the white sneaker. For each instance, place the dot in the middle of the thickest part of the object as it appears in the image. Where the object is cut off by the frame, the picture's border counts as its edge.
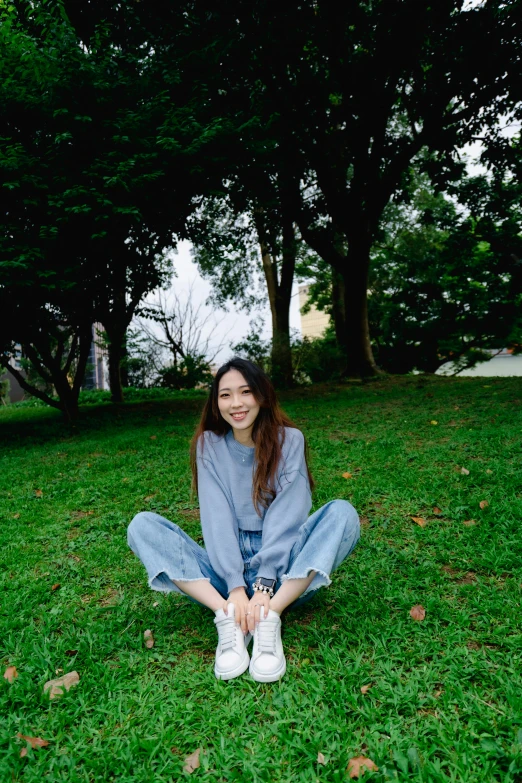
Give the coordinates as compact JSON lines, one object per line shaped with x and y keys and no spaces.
{"x":231,"y":655}
{"x":268,"y":662}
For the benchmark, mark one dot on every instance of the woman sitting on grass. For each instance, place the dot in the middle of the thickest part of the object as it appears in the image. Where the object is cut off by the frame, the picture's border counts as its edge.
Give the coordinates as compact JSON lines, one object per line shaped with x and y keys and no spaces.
{"x":262,"y":552}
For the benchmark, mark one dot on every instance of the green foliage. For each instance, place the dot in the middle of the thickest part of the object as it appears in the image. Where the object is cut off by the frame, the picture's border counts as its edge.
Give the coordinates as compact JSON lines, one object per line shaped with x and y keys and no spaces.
{"x":254,"y":348}
{"x":446,"y":277}
{"x":189,"y":372}
{"x":4,"y":390}
{"x":318,"y":360}
{"x":445,"y":697}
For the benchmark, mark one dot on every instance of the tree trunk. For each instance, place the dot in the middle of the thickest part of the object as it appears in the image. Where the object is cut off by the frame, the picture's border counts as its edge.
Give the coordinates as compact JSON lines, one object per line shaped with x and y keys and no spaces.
{"x":338,"y":306}
{"x":279,"y":294}
{"x":356,"y":337}
{"x":116,"y":340}
{"x":124,"y":366}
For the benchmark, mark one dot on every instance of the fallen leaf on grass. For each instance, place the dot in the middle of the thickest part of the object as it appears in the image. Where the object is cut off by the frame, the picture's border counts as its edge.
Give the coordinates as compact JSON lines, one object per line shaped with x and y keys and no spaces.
{"x":417,"y":612}
{"x":60,"y":684}
{"x":155,"y":604}
{"x":38,"y":493}
{"x":320,"y":758}
{"x":71,"y":653}
{"x":34,"y":742}
{"x":149,"y":497}
{"x":464,"y":471}
{"x":434,"y":422}
{"x":365,"y":688}
{"x":148,"y":638}
{"x":419,"y":521}
{"x":55,"y":587}
{"x":17,"y":516}
{"x":192,"y":762}
{"x":10,"y":674}
{"x":436,"y":510}
{"x":484,"y":504}
{"x":489,"y":471}
{"x":347,"y":475}
{"x":469,"y":522}
{"x":358,"y":765}
{"x":153,"y":437}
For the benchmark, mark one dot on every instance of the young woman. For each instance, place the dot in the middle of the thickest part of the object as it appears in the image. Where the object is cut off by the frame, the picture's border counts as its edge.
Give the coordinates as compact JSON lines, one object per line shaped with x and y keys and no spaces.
{"x":262,"y":552}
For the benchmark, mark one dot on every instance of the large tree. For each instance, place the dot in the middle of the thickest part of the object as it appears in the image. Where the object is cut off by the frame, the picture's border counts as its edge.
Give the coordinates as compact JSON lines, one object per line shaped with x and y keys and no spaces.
{"x":98,"y":142}
{"x":350,"y":94}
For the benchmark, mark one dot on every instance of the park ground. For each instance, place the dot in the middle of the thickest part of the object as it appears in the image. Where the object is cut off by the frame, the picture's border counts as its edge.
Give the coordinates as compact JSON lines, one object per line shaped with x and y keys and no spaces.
{"x":433,"y":467}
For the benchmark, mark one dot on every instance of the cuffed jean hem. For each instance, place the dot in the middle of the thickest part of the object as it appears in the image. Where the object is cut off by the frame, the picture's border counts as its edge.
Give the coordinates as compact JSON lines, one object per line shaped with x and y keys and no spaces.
{"x":164,"y":582}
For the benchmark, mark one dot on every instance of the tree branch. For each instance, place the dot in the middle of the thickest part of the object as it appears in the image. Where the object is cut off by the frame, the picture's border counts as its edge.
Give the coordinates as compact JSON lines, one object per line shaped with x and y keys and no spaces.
{"x":27,"y":386}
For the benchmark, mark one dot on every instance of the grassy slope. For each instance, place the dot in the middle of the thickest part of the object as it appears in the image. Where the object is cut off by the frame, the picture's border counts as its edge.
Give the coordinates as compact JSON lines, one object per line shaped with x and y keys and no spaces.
{"x":446,"y":696}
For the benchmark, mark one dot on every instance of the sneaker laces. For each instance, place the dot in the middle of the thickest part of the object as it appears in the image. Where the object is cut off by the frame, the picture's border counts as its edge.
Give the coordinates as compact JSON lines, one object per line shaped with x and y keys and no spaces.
{"x":226,"y":633}
{"x":266,"y":636}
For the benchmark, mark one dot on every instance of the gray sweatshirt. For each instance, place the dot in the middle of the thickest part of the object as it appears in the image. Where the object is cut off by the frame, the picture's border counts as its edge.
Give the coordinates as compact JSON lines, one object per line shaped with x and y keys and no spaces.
{"x":225,"y":472}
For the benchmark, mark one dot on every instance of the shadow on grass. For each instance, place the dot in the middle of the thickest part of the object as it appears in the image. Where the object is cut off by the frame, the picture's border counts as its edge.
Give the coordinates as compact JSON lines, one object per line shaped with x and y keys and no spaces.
{"x":20,"y":426}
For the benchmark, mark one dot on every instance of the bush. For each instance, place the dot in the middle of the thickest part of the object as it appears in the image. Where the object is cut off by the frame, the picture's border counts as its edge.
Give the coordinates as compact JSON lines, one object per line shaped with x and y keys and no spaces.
{"x":190,"y":373}
{"x":318,"y":359}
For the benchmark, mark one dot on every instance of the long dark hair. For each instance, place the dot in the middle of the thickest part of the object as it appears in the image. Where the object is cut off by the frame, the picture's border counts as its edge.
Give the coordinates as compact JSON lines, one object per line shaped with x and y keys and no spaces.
{"x":268,"y":432}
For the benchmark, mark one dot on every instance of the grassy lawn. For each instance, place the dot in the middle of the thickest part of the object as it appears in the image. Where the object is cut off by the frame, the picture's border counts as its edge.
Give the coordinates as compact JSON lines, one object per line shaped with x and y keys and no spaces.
{"x":445,"y":702}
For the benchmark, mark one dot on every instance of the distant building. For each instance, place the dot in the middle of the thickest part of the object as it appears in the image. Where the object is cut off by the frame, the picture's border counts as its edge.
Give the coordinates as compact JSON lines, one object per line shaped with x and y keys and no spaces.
{"x":97,"y":373}
{"x":503,"y":363}
{"x":315,"y":322}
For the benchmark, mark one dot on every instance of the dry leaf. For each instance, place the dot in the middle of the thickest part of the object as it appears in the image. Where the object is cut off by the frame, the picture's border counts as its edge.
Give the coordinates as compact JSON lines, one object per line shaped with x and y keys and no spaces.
{"x":483,"y":504}
{"x":34,"y":742}
{"x":419,"y":521}
{"x":320,"y":758}
{"x":487,"y":471}
{"x":38,"y":493}
{"x":417,"y":612}
{"x":433,"y":422}
{"x":436,"y":510}
{"x":156,"y":603}
{"x":192,"y":762}
{"x":469,"y":522}
{"x":60,"y":684}
{"x":153,"y":437}
{"x":23,"y":752}
{"x":10,"y":674}
{"x":347,"y":475}
{"x":464,"y":471}
{"x":358,"y":765}
{"x":17,"y":516}
{"x":55,"y":587}
{"x":71,"y":653}
{"x":149,"y":497}
{"x":148,"y":638}
{"x":365,"y":688}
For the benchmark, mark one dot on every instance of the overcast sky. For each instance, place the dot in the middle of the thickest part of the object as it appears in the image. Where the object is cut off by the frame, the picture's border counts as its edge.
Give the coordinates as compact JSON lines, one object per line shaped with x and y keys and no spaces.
{"x":233,"y":325}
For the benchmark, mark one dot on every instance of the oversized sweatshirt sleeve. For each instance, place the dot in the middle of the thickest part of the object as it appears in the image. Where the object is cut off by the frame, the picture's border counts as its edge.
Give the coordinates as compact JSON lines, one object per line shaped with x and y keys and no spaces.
{"x":287,"y":512}
{"x":219,"y":524}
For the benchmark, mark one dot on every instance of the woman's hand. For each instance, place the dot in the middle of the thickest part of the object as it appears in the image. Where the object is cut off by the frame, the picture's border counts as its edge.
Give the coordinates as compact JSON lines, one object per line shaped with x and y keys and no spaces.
{"x":239,"y":598}
{"x":254,"y":609}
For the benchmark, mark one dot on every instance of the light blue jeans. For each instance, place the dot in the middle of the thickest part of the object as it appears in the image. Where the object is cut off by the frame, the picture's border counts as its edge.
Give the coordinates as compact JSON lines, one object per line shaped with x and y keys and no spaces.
{"x":167,"y":552}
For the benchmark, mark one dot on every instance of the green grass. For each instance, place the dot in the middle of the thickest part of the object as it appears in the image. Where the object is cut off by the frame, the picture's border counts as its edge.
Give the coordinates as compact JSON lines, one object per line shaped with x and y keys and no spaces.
{"x":446,"y":696}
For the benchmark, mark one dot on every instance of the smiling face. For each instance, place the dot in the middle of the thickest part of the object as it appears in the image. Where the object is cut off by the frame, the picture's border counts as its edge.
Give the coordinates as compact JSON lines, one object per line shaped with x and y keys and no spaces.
{"x":237,"y":405}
